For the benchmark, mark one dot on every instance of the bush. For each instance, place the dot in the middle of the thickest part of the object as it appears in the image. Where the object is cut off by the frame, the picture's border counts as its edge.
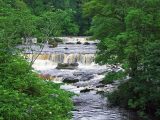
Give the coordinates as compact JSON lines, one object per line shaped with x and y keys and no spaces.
{"x":141,"y":97}
{"x":24,"y":96}
{"x":112,"y":76}
{"x":121,"y":95}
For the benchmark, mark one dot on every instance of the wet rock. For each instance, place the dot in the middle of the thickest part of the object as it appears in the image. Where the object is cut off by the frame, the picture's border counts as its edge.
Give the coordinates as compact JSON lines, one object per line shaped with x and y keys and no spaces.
{"x":78,"y":73}
{"x":85,"y":90}
{"x":66,"y":48}
{"x":70,"y":43}
{"x":70,"y":80}
{"x":86,"y":77}
{"x":83,"y":76}
{"x":100,"y":86}
{"x":79,"y":42}
{"x":71,"y":66}
{"x":86,"y":43}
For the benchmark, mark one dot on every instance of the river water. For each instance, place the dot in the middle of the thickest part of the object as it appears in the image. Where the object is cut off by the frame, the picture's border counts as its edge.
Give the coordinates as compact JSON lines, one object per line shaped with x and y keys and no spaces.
{"x":89,"y":105}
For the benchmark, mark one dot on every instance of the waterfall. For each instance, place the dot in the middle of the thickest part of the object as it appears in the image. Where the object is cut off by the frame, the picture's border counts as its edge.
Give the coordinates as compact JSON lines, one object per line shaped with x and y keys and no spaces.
{"x":85,"y":59}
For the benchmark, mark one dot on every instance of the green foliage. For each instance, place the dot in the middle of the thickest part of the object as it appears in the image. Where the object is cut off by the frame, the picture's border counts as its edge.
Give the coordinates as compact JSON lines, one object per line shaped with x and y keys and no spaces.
{"x":120,"y":96}
{"x":23,"y":95}
{"x":57,"y":23}
{"x":49,"y":23}
{"x":113,"y":76}
{"x":80,"y":25}
{"x":20,"y":21}
{"x":129,"y":34}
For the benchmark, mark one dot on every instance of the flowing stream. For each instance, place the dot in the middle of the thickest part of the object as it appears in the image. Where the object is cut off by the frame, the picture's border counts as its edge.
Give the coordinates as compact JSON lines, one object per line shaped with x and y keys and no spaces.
{"x":89,"y":105}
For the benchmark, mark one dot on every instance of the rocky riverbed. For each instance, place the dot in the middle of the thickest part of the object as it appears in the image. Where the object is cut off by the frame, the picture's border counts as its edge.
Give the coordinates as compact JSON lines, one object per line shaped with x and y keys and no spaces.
{"x":84,"y":80}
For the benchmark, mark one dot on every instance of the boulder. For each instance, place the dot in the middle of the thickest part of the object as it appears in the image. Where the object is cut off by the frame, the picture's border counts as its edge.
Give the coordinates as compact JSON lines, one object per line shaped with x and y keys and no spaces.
{"x":66,"y":48}
{"x":70,"y":80}
{"x":86,"y":43}
{"x":83,"y":76}
{"x":78,"y":73}
{"x":100,"y":86}
{"x":69,"y":43}
{"x":79,"y":42}
{"x":85,"y":90}
{"x":70,"y":66}
{"x":86,"y":77}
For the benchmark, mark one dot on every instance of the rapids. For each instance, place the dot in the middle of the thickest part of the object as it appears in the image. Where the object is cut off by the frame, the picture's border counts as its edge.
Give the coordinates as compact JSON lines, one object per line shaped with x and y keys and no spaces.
{"x":89,"y":105}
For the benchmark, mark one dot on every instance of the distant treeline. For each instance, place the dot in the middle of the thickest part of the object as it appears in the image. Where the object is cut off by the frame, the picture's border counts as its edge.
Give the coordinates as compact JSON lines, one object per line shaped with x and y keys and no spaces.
{"x":38,"y":7}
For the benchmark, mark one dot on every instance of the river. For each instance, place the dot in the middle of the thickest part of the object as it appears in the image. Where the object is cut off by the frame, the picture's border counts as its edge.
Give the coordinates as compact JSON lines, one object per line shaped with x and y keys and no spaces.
{"x":89,"y":104}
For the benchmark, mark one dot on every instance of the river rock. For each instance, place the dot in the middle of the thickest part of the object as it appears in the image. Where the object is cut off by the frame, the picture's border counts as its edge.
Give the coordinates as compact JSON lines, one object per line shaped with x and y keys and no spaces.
{"x":78,"y":73}
{"x":85,"y":90}
{"x":79,"y":42}
{"x":70,"y":80}
{"x":100,"y":86}
{"x":70,"y":43}
{"x":70,"y":66}
{"x":86,"y":43}
{"x":66,"y":48}
{"x":83,"y":76}
{"x":86,"y":77}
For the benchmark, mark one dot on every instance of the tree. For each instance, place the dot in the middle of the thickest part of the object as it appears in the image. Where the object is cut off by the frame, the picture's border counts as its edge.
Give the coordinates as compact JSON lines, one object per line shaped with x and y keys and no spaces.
{"x":127,"y":30}
{"x":72,"y":7}
{"x":23,"y":94}
{"x":57,"y":23}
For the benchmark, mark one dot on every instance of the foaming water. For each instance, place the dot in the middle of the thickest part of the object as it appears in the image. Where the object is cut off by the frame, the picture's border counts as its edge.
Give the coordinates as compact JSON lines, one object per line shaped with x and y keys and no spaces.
{"x":85,"y":59}
{"x":88,"y":105}
{"x":43,"y":65}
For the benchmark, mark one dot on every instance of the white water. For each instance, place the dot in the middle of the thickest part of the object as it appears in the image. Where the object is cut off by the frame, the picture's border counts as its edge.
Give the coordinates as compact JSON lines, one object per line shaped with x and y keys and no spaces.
{"x":41,"y":65}
{"x":89,"y":105}
{"x":84,"y":59}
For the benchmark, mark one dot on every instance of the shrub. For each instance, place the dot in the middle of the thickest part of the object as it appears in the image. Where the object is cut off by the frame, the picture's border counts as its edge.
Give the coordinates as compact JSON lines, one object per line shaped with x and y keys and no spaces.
{"x":112,"y":76}
{"x":24,"y":96}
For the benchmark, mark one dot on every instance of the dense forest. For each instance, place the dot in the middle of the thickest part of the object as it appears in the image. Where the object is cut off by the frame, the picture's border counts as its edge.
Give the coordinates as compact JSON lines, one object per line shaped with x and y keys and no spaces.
{"x":129,"y":35}
{"x":23,"y":95}
{"x":72,"y":8}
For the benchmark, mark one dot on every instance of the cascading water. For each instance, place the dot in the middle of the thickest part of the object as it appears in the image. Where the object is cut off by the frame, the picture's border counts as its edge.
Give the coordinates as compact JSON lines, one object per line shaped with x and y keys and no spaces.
{"x":88,"y":105}
{"x":85,"y":59}
{"x":64,"y":53}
